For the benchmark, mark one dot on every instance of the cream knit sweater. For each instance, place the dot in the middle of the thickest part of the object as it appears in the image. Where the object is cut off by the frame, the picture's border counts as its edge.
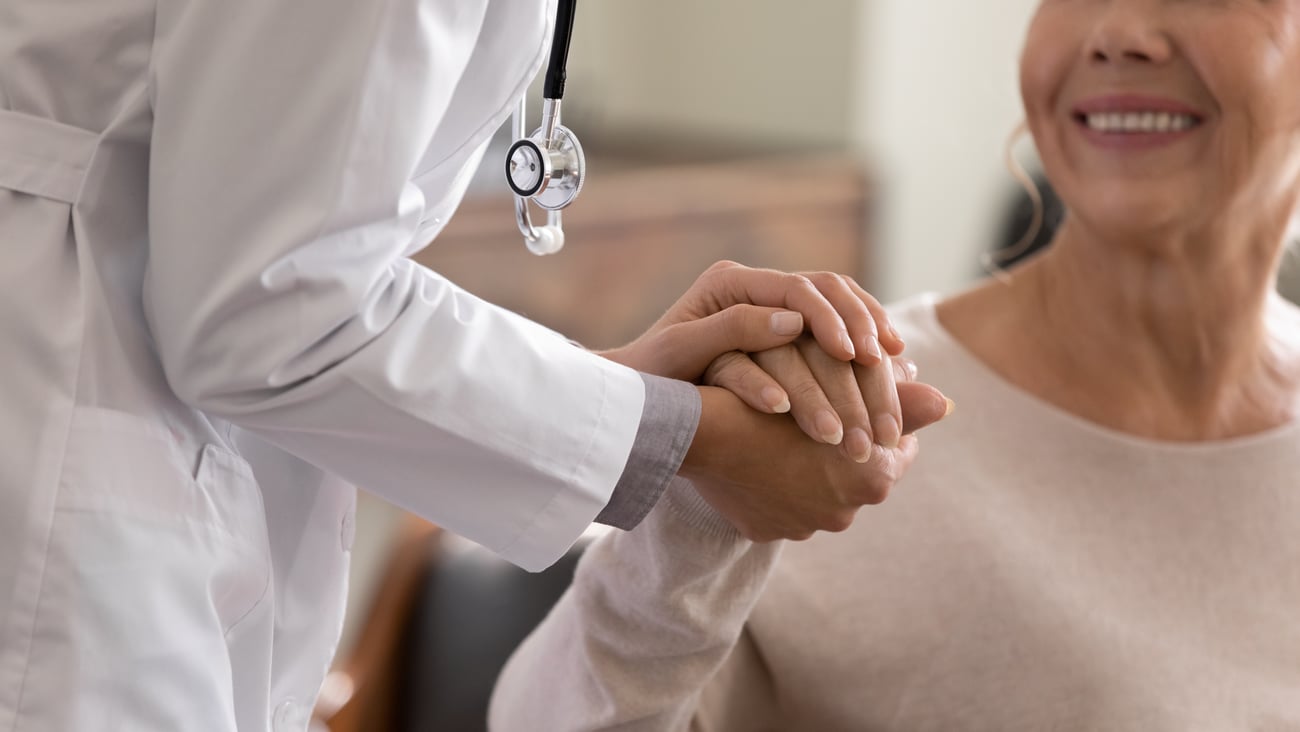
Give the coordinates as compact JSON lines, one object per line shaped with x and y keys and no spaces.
{"x":1031,"y":572}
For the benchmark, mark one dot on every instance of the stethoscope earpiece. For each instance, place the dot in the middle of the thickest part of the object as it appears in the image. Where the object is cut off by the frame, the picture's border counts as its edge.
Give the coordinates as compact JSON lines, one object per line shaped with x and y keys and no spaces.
{"x":548,"y":167}
{"x":549,"y":240}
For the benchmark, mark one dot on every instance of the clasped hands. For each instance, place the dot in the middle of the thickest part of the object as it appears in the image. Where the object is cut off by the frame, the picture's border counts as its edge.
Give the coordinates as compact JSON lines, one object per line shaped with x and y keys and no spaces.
{"x":808,"y":410}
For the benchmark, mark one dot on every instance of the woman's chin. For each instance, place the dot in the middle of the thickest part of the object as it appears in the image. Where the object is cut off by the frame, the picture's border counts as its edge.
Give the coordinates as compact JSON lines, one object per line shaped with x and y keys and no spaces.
{"x":1132,"y":216}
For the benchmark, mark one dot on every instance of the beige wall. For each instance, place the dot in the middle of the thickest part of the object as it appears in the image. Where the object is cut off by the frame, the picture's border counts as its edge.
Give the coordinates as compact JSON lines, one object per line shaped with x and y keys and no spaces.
{"x":924,"y":91}
{"x":937,"y":100}
{"x":757,"y":72}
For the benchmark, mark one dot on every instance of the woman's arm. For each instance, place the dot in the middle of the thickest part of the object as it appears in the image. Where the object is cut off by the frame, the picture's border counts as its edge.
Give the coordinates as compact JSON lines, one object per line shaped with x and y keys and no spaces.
{"x":651,"y":617}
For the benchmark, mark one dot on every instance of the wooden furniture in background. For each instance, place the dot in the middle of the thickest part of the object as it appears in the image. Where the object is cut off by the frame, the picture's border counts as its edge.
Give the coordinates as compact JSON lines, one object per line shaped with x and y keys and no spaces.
{"x":360,"y":694}
{"x":637,"y":238}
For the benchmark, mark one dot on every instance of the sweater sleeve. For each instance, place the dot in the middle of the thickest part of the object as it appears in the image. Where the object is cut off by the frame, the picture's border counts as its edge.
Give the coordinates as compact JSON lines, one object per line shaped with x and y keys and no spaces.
{"x":668,"y":422}
{"x":651,"y":617}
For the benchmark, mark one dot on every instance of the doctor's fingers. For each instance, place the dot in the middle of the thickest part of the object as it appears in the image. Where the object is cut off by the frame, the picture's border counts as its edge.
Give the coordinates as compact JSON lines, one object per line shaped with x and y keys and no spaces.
{"x":889,"y":337}
{"x":685,"y":349}
{"x":866,"y":319}
{"x":847,"y":321}
{"x":727,"y":283}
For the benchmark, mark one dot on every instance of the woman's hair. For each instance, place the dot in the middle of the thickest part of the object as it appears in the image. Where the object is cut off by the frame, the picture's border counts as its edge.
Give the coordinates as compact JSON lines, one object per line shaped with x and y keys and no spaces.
{"x":1031,"y":220}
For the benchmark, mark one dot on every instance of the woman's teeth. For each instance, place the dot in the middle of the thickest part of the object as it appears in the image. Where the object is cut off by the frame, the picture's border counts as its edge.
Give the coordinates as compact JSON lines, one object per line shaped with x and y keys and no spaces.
{"x":1139,"y":122}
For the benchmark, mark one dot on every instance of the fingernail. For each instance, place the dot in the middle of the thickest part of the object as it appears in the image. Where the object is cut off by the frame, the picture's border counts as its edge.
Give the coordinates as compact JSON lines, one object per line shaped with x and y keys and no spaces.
{"x":951,"y":406}
{"x":887,"y":431}
{"x":873,"y":346}
{"x":858,"y":445}
{"x":894,"y":332}
{"x":830,"y":429}
{"x":847,"y":342}
{"x":776,"y":400}
{"x":787,"y":323}
{"x":910,"y":366}
{"x":904,"y":369}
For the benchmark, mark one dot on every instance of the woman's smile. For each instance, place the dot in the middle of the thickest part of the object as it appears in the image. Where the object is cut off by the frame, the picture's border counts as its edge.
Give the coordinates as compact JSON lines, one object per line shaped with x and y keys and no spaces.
{"x":1135,"y":121}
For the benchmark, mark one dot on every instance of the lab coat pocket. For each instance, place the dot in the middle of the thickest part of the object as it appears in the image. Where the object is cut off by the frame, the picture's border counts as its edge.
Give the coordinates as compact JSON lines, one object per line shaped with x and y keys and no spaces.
{"x":154,"y":558}
{"x":226,"y":481}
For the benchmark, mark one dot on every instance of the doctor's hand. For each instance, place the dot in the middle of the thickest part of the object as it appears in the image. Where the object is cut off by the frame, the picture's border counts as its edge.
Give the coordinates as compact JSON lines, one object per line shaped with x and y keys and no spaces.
{"x":736,"y":308}
{"x":771,"y":482}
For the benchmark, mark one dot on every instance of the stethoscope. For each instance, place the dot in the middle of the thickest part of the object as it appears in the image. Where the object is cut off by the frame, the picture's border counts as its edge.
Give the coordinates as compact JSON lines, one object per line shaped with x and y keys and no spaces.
{"x":547,"y":167}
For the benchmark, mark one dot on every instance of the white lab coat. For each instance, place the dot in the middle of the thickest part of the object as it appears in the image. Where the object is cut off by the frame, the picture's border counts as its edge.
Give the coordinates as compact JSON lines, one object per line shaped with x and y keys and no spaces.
{"x":210,"y":331}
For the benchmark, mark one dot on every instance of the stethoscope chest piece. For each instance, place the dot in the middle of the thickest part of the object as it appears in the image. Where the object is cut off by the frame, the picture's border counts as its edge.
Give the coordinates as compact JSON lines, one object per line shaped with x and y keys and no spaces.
{"x":550,"y":175}
{"x":547,"y":167}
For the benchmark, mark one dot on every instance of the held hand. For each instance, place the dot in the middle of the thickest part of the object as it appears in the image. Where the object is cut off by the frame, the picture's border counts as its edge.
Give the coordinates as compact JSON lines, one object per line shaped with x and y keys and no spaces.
{"x":736,"y":308}
{"x":771,"y":482}
{"x":834,"y":402}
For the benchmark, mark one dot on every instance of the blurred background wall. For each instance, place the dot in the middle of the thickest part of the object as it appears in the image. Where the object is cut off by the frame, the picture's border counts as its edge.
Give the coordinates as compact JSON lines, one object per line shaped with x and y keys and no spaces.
{"x":924,"y":93}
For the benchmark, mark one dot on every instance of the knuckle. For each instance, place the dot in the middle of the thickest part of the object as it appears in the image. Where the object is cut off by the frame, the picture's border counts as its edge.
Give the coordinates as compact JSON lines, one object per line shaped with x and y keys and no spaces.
{"x":807,"y":392}
{"x":733,"y":323}
{"x":773,"y":359}
{"x":722,"y":370}
{"x":800,"y":281}
{"x":876,"y":492}
{"x":824,"y":279}
{"x":839,"y":522}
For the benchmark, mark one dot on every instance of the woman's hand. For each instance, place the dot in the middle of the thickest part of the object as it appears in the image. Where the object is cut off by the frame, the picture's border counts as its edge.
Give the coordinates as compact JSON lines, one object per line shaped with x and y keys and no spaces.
{"x":771,"y":482}
{"x":834,"y":402}
{"x":736,"y":308}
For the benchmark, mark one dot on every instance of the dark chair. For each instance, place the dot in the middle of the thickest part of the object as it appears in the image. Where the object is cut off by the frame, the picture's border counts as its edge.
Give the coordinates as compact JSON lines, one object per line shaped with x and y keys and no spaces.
{"x":472,"y":611}
{"x":448,"y":615}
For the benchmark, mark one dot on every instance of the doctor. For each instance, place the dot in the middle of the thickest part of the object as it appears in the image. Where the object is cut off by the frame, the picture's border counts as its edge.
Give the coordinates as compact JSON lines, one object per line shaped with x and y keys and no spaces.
{"x":211,"y":331}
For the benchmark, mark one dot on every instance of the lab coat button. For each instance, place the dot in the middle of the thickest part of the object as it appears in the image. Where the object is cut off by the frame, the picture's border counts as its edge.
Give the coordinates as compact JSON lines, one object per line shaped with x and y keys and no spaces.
{"x":288,"y":717}
{"x":348,"y":529}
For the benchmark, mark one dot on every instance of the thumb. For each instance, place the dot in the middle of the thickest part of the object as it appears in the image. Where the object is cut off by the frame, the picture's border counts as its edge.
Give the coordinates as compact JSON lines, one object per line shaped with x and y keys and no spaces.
{"x":922,"y":405}
{"x":688,"y":348}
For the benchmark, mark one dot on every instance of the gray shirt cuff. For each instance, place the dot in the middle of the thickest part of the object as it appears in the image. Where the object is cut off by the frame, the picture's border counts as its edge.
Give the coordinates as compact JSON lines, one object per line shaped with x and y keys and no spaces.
{"x":668,"y":422}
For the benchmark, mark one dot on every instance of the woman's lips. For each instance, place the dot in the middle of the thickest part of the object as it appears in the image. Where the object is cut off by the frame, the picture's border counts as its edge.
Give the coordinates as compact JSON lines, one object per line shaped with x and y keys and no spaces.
{"x":1133,"y":121}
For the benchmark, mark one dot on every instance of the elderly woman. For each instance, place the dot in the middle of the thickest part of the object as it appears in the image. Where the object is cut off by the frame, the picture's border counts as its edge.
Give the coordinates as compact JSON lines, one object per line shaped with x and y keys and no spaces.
{"x":1106,"y":534}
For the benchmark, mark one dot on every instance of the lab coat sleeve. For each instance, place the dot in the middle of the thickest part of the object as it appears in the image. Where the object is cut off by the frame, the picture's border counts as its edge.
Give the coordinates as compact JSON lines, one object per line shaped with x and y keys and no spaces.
{"x":287,"y":136}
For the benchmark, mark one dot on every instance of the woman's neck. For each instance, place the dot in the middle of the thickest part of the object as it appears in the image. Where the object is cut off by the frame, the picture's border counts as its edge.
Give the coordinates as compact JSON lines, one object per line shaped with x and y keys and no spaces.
{"x":1183,"y":341}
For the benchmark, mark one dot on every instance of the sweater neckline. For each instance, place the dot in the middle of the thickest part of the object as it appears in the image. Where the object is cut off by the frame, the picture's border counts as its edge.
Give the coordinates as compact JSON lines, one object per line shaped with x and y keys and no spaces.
{"x":927,"y":317}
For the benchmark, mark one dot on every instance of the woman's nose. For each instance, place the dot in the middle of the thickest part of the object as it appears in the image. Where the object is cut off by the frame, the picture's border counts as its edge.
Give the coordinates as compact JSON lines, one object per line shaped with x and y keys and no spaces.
{"x":1130,"y":32}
